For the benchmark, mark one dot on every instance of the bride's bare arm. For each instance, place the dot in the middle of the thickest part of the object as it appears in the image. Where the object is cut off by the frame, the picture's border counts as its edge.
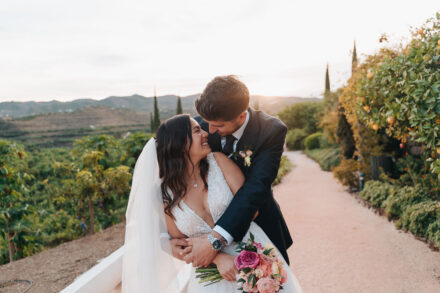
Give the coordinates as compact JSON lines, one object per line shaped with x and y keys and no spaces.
{"x":225,"y":265}
{"x":233,"y":175}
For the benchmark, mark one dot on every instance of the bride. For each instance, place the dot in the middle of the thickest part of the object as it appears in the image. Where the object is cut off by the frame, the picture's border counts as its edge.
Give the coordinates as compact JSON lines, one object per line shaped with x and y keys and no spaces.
{"x":180,"y":188}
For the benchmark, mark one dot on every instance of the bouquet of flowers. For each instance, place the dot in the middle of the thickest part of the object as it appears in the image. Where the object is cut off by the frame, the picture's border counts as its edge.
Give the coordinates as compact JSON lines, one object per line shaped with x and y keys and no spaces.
{"x":260,"y":270}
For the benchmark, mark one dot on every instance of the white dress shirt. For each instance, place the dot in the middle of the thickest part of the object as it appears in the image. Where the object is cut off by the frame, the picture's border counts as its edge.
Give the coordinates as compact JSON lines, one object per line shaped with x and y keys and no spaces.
{"x":237,"y":134}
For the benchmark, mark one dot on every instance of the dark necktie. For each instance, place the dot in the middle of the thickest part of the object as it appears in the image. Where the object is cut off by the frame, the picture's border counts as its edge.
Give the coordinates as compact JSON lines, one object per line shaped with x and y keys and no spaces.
{"x":229,"y":145}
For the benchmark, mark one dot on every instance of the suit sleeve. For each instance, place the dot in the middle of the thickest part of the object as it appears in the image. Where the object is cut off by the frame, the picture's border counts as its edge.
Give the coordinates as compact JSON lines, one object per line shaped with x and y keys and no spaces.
{"x":257,"y":188}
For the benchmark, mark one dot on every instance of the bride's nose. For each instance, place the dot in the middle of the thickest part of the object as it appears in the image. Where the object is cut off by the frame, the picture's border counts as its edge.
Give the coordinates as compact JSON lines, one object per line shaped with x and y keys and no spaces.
{"x":204,"y":133}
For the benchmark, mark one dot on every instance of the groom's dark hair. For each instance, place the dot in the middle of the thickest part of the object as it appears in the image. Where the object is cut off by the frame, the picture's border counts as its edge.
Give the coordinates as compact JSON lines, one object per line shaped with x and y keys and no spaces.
{"x":224,"y":98}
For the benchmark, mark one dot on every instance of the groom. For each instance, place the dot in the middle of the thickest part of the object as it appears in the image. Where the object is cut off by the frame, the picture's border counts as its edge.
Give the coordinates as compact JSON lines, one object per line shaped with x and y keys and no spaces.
{"x":254,"y":140}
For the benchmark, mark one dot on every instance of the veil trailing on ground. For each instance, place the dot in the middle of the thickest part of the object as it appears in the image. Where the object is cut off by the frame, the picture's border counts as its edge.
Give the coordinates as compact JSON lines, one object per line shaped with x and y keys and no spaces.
{"x":148,"y":265}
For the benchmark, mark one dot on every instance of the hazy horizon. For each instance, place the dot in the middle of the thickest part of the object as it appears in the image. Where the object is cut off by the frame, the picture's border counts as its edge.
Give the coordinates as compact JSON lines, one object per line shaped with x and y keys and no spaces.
{"x":62,"y":50}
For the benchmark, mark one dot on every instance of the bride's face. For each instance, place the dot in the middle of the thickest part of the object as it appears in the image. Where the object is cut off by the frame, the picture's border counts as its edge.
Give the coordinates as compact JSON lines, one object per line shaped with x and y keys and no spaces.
{"x":199,"y":148}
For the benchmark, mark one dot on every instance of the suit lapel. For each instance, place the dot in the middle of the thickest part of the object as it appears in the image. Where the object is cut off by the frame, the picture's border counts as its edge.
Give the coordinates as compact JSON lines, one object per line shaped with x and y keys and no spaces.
{"x":249,"y":139}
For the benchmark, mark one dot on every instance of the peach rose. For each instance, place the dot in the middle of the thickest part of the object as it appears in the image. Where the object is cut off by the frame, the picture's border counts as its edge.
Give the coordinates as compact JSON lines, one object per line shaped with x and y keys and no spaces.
{"x":266,"y":285}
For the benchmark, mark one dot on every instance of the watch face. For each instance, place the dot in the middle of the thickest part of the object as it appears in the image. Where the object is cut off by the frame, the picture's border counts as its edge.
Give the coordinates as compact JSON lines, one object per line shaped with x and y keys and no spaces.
{"x":217,"y":244}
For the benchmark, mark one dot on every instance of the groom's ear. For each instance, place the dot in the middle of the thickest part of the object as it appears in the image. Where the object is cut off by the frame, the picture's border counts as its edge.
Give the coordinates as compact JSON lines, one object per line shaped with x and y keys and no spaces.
{"x":242,"y":117}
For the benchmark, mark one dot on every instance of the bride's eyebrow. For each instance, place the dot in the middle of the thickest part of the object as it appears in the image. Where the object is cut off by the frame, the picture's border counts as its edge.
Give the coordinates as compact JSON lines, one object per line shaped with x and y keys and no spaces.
{"x":196,"y":127}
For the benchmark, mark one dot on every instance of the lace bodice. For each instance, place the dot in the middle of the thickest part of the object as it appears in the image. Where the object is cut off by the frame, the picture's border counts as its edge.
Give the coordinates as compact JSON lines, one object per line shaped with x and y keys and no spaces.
{"x":219,"y":197}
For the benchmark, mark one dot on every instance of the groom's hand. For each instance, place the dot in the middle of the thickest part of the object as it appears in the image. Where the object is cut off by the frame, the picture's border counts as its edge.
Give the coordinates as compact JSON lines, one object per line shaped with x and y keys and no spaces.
{"x":202,"y":254}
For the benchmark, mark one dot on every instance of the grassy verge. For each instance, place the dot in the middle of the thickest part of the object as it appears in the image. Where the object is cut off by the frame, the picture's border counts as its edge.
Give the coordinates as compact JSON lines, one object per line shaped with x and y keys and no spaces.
{"x":327,"y":158}
{"x":409,"y":207}
{"x":285,"y":167}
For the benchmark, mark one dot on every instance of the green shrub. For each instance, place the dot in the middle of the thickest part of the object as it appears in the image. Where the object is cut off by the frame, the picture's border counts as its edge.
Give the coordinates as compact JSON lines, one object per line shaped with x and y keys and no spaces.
{"x":419,"y":217}
{"x":326,"y":158}
{"x":401,"y":199}
{"x":313,"y":141}
{"x":283,"y":170}
{"x":303,"y":115}
{"x":376,"y":192}
{"x":433,"y":233}
{"x":295,"y":139}
{"x":346,"y":173}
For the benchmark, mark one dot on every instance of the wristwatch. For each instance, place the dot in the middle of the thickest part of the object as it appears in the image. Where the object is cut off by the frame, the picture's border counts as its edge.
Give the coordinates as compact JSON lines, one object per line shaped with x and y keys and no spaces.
{"x":216,"y":243}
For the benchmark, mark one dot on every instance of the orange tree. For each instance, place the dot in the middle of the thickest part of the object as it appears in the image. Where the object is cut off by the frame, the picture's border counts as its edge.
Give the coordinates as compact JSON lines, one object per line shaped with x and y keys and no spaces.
{"x":400,"y":92}
{"x":369,"y":139}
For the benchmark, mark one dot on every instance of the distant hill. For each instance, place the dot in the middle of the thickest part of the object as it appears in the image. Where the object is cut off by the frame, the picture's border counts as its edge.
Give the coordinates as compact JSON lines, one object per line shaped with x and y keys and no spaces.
{"x":49,"y":124}
{"x":138,"y":103}
{"x":135,"y":102}
{"x":61,"y":129}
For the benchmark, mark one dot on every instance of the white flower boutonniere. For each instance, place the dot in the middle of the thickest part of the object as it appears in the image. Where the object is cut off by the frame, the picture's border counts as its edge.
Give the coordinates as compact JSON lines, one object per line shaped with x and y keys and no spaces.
{"x":246,"y":155}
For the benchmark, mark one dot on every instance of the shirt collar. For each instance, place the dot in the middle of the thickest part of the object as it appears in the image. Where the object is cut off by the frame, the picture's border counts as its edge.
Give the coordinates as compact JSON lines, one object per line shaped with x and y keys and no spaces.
{"x":239,"y":132}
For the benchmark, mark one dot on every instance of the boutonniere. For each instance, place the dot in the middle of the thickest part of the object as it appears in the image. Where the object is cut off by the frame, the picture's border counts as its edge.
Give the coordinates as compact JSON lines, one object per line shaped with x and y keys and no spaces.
{"x":245,"y":154}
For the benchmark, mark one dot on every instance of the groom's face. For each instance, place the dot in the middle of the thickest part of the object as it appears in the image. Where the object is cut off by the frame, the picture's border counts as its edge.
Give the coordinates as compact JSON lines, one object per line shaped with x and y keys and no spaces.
{"x":226,"y":127}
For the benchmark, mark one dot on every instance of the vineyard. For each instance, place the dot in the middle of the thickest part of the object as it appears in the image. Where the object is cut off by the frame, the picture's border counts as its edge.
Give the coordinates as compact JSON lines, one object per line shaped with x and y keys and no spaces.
{"x":379,"y":134}
{"x":49,"y":196}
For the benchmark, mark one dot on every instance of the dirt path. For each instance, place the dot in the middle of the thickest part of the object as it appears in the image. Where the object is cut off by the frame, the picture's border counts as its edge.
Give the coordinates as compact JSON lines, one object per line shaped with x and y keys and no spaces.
{"x":53,"y":269}
{"x":342,"y":246}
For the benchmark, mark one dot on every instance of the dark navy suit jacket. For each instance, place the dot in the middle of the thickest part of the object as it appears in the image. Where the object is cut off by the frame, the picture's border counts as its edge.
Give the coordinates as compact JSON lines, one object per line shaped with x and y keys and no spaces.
{"x":264,"y":135}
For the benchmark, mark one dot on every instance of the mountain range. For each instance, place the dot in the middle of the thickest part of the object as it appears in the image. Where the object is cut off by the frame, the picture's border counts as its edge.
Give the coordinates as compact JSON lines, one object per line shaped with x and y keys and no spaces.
{"x":167,"y":105}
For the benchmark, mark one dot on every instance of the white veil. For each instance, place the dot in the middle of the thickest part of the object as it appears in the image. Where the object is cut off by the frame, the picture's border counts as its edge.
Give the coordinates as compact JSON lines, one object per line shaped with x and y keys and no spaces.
{"x":148,"y":265}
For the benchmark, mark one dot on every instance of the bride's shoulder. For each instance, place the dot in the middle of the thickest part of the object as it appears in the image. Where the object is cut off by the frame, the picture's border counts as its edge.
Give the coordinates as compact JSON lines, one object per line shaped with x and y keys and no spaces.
{"x":232,"y":173}
{"x":221,"y":159}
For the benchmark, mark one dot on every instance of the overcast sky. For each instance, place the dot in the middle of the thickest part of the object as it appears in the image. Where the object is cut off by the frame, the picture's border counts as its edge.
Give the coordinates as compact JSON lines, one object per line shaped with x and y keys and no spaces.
{"x":65,"y":50}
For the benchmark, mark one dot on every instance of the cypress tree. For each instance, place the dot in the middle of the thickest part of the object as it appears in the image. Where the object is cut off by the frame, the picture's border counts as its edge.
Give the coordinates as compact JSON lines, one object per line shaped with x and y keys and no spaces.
{"x":179,"y":106}
{"x":152,"y":127}
{"x":327,"y":81}
{"x":354,"y":59}
{"x":156,"y":117}
{"x":345,"y":135}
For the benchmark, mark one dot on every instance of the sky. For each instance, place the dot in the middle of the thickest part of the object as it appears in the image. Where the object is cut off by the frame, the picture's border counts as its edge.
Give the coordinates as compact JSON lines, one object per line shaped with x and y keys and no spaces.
{"x":65,"y":50}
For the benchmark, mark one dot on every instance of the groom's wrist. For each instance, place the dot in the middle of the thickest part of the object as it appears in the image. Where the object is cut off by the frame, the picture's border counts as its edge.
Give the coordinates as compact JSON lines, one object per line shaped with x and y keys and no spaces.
{"x":222,"y":232}
{"x":219,"y":236}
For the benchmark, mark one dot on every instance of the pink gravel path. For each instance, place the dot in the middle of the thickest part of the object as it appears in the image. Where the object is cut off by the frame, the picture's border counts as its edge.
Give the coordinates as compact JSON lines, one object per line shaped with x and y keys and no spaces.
{"x":342,"y":246}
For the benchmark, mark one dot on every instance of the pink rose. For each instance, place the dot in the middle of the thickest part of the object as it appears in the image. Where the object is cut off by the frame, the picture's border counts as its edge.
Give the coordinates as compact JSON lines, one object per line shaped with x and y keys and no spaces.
{"x":246,"y":259}
{"x":266,"y":285}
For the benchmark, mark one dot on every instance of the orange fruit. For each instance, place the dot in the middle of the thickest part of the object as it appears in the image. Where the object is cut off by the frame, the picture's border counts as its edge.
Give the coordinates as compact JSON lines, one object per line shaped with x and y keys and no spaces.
{"x":370,"y":75}
{"x":375,"y":127}
{"x":367,"y":108}
{"x":421,"y":32}
{"x":438,"y":151}
{"x":391,"y":119}
{"x":437,"y":121}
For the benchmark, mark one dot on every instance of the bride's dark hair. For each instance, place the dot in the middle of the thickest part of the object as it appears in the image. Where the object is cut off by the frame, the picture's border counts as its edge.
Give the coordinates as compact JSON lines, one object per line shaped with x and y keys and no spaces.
{"x":172,"y":139}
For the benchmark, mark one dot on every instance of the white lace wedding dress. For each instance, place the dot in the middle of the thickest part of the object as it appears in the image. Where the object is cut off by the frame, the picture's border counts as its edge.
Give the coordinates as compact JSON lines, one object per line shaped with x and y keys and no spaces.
{"x":190,"y":224}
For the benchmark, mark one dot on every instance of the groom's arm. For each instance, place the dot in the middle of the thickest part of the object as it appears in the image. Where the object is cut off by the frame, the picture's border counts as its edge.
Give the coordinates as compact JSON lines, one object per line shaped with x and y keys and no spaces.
{"x":256,"y":190}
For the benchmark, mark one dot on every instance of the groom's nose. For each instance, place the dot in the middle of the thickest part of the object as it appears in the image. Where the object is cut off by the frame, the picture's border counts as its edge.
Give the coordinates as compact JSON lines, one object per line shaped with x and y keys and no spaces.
{"x":212,"y":129}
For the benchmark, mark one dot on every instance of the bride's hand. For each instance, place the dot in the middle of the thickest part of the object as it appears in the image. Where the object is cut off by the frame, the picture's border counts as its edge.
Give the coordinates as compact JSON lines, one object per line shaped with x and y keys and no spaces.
{"x":226,"y":267}
{"x":179,"y":248}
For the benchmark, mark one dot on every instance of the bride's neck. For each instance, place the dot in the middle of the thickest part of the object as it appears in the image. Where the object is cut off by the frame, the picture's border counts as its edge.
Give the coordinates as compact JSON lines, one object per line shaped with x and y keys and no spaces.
{"x":193,"y":170}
